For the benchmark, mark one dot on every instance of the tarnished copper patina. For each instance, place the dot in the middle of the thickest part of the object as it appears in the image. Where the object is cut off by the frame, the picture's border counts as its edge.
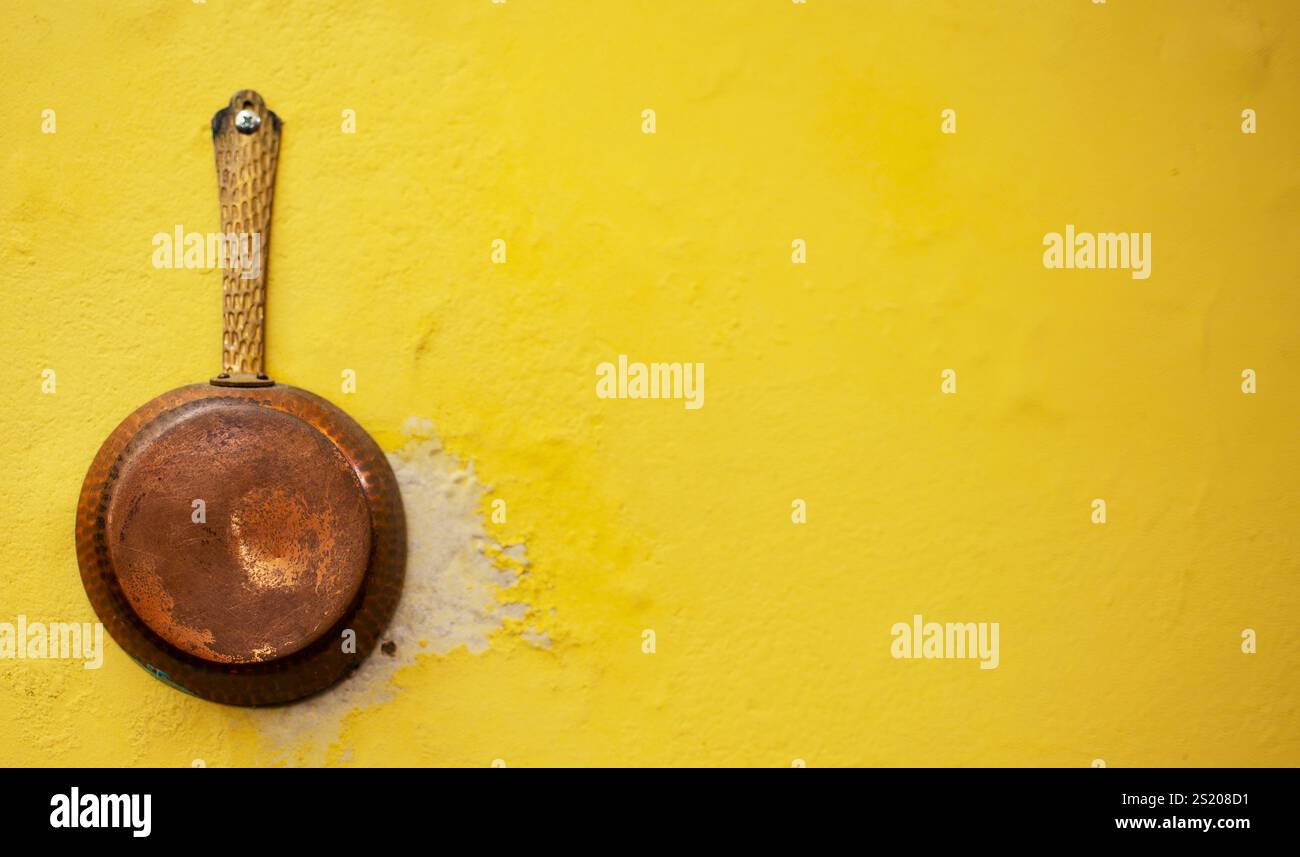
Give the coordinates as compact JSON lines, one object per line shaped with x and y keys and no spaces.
{"x":243,"y":539}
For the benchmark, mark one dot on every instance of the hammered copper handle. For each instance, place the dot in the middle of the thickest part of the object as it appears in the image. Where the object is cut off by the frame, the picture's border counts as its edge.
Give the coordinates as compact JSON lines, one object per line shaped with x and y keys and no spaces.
{"x":246,"y":137}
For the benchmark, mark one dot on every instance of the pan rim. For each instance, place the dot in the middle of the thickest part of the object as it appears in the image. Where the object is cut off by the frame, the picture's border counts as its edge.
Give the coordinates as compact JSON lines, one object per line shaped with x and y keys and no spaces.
{"x":315,"y":667}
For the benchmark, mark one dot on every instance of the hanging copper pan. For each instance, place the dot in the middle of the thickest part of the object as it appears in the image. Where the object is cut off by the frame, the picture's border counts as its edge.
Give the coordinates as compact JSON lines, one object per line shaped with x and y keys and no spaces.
{"x":242,"y":539}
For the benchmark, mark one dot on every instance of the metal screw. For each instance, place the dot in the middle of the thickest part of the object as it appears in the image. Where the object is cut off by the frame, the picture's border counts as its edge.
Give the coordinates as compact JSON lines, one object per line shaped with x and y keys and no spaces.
{"x":246,"y":121}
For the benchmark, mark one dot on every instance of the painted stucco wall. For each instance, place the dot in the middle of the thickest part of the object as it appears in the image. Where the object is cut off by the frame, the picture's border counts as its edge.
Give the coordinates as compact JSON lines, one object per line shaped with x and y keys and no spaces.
{"x":774,"y":122}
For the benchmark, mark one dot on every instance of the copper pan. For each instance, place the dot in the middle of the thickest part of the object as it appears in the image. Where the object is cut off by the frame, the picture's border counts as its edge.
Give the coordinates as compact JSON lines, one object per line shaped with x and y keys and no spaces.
{"x":242,"y":539}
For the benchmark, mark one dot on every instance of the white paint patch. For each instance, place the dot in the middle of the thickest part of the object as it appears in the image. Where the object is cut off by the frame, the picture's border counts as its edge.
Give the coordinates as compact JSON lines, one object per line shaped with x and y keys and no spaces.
{"x":454,"y":572}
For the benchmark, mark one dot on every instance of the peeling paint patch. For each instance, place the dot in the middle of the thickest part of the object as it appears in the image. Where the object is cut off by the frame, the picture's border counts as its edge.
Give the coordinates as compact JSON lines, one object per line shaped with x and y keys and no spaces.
{"x":456,"y":594}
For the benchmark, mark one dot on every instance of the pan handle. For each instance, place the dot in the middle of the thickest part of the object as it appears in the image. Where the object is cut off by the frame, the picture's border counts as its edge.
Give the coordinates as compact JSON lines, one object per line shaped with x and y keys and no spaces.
{"x":246,"y":137}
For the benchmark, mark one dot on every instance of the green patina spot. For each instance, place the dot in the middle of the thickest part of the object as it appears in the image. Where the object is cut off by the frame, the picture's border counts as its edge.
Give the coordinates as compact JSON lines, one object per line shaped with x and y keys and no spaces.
{"x":162,"y":676}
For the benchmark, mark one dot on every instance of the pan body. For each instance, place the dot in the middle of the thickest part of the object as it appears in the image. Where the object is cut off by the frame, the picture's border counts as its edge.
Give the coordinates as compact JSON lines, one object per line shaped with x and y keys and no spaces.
{"x":245,"y":544}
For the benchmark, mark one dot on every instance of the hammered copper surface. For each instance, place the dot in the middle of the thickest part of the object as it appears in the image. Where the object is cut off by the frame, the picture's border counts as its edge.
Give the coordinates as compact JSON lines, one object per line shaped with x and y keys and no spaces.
{"x":280,"y":582}
{"x":246,"y":187}
{"x":317,"y":664}
{"x":237,"y":532}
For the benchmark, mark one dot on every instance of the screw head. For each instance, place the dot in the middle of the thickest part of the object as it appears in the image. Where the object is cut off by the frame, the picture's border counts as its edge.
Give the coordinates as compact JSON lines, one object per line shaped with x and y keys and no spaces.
{"x":246,"y":121}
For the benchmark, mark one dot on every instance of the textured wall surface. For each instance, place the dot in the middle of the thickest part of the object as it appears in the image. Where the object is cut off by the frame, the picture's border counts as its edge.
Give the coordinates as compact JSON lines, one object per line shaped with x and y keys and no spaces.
{"x":775,"y":121}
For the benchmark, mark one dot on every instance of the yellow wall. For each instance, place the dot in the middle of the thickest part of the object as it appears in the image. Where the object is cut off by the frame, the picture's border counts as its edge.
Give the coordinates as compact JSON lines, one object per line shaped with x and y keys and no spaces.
{"x":775,"y":121}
